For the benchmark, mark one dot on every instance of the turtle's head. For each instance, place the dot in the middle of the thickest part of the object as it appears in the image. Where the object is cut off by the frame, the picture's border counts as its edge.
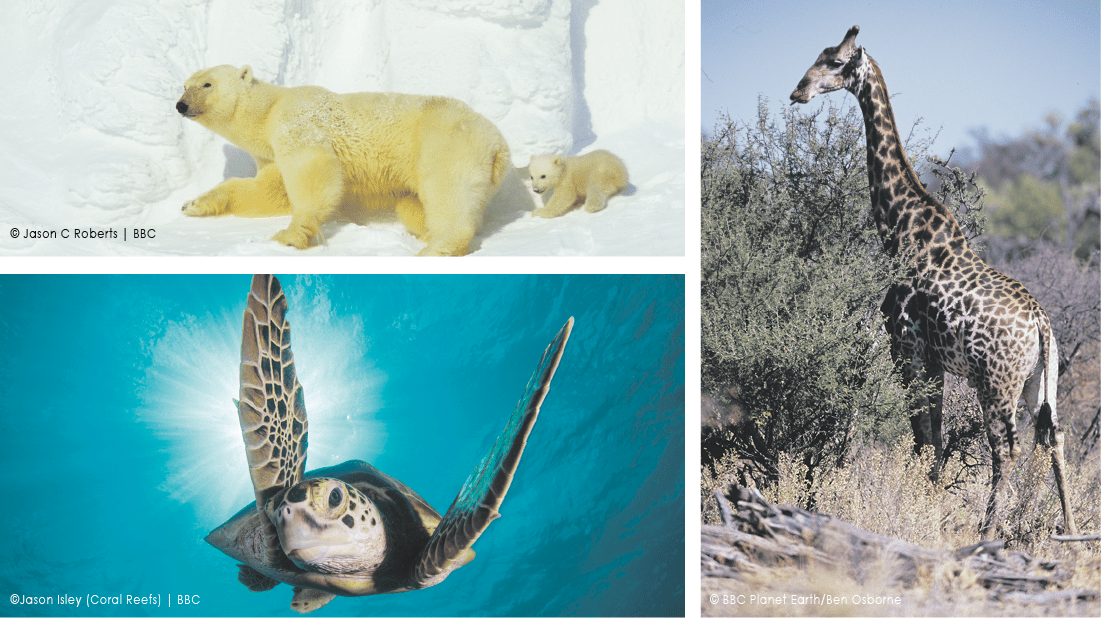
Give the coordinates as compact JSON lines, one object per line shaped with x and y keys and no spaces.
{"x":329,"y":526}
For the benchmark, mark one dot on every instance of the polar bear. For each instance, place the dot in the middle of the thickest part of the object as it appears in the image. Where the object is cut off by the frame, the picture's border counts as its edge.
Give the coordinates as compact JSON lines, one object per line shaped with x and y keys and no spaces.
{"x":432,"y":159}
{"x":593,"y":177}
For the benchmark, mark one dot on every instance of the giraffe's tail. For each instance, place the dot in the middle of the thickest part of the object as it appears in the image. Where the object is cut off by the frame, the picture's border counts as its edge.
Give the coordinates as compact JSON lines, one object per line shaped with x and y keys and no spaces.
{"x":1048,"y":431}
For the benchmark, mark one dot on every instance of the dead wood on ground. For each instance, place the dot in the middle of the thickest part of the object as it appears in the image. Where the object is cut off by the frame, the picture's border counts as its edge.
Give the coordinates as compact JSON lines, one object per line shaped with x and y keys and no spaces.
{"x":756,"y":535}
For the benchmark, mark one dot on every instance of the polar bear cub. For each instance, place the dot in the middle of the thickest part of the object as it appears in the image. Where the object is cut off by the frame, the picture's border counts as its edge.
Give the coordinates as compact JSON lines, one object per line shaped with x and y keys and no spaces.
{"x":593,"y":177}
{"x":432,"y":159}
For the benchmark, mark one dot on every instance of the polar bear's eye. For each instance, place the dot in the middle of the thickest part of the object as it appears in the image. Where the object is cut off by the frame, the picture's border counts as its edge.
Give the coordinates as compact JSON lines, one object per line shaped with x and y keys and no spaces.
{"x":206,"y":85}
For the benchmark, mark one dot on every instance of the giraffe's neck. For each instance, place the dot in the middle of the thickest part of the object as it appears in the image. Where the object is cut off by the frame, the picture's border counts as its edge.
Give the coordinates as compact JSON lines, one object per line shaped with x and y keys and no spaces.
{"x":906,"y":216}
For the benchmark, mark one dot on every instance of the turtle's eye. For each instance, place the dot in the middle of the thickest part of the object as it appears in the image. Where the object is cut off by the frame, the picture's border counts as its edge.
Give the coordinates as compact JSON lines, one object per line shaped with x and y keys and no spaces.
{"x":334,"y":498}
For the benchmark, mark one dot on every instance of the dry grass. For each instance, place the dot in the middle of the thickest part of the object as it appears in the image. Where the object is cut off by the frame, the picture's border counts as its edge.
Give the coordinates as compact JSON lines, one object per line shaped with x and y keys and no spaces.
{"x":820,"y":592}
{"x":886,"y":490}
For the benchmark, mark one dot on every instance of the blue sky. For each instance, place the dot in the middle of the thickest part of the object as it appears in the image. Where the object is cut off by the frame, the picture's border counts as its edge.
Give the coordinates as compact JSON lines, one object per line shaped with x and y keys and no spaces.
{"x":958,"y":65}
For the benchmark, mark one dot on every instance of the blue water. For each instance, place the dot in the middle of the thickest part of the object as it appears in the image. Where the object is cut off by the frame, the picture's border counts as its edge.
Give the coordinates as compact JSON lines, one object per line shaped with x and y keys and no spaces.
{"x":121,"y":448}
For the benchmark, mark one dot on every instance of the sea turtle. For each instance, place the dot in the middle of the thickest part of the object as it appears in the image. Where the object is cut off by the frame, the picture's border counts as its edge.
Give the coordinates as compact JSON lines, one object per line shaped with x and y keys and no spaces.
{"x":348,"y":529}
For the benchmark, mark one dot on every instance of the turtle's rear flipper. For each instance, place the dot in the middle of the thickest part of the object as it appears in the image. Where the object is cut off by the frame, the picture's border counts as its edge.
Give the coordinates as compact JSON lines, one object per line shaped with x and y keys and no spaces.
{"x":271,"y":406}
{"x":308,"y":599}
{"x":254,"y":580}
{"x":485,"y":488}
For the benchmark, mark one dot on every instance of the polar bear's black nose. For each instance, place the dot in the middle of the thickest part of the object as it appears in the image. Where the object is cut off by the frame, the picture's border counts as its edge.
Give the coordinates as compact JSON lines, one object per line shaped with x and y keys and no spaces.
{"x":181,"y":107}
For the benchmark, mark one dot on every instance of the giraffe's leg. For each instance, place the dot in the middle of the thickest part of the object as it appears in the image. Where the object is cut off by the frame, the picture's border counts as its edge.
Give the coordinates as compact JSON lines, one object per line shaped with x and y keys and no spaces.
{"x":999,"y":415}
{"x":927,"y":412}
{"x":1059,"y":466}
{"x":1049,"y":433}
{"x":908,"y":353}
{"x":990,"y":519}
{"x":926,"y":422}
{"x":910,"y":367}
{"x":935,"y":413}
{"x":919,"y":422}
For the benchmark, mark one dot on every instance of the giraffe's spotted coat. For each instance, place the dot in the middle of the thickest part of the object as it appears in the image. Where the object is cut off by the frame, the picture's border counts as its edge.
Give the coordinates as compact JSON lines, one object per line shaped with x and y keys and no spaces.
{"x":954,"y":313}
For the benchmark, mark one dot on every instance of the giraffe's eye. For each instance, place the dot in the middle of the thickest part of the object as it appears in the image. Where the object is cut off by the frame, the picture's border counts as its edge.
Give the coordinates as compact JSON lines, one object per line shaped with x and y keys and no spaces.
{"x":838,"y":62}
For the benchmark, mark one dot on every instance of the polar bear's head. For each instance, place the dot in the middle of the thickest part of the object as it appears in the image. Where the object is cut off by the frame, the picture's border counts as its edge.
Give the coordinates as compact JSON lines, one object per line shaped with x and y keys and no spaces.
{"x":210,"y":95}
{"x":545,"y":172}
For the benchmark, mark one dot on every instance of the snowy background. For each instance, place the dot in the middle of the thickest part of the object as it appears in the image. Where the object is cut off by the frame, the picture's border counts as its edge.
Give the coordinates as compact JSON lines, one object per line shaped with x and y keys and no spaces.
{"x":90,"y":140}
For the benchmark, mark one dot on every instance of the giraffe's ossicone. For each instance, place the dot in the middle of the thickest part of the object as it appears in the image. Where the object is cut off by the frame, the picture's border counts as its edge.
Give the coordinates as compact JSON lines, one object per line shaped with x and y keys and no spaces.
{"x":953,"y":313}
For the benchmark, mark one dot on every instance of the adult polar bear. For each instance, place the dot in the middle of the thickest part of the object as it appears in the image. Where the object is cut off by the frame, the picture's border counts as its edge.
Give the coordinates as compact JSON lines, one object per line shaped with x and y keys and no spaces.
{"x":432,"y":159}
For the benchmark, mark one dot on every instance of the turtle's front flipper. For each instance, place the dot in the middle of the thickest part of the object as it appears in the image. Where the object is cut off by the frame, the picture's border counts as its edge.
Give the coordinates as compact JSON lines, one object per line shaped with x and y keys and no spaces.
{"x":308,"y":599}
{"x":271,"y":406}
{"x":254,"y":580}
{"x":485,"y":488}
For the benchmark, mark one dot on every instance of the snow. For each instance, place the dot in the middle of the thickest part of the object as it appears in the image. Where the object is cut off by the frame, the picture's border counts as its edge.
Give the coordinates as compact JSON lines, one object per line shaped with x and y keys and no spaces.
{"x":91,"y":142}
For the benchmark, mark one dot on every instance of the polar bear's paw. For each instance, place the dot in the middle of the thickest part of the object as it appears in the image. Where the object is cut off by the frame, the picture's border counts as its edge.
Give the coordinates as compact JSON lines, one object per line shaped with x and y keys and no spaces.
{"x":294,"y":236}
{"x":192,"y":209}
{"x":209,"y":204}
{"x":544,"y":212}
{"x":451,"y":249}
{"x":595,"y":202}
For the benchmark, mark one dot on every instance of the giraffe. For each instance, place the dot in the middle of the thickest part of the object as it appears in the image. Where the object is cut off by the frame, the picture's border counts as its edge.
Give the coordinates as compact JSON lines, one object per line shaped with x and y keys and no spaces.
{"x":953,"y":313}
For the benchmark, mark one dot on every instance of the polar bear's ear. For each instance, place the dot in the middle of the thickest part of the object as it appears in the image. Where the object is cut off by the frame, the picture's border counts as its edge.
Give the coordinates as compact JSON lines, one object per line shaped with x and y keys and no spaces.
{"x":557,"y":160}
{"x":246,"y":74}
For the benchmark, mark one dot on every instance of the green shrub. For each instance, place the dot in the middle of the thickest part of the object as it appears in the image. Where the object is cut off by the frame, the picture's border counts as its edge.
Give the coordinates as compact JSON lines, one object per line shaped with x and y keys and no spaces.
{"x":792,"y":275}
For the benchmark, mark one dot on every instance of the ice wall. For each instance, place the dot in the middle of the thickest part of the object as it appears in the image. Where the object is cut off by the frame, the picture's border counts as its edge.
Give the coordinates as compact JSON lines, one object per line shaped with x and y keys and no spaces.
{"x":633,"y":62}
{"x":86,"y":124}
{"x":508,"y":59}
{"x":89,"y":126}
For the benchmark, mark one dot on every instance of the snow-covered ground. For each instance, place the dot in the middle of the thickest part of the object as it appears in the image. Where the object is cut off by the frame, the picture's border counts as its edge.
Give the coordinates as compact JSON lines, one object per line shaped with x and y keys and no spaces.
{"x":91,"y":145}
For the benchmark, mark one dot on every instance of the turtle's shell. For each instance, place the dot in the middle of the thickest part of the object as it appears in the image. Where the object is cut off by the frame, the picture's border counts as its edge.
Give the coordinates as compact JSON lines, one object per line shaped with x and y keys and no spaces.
{"x":418,"y":548}
{"x":409,"y":522}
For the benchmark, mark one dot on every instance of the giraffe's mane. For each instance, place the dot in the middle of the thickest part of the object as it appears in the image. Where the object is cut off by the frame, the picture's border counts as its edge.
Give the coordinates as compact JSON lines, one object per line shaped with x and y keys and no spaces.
{"x":908,"y":170}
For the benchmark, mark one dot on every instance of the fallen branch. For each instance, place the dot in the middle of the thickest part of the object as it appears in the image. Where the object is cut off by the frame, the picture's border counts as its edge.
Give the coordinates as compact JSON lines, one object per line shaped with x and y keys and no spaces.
{"x":1065,"y":538}
{"x":757,"y":535}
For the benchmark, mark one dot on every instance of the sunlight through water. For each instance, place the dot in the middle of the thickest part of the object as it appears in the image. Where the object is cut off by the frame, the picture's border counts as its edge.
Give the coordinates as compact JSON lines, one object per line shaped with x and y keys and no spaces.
{"x":187,"y":401}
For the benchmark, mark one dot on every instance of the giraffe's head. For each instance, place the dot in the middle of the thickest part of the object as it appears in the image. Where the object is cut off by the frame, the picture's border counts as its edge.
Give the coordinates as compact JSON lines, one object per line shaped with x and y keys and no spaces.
{"x":836,"y":68}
